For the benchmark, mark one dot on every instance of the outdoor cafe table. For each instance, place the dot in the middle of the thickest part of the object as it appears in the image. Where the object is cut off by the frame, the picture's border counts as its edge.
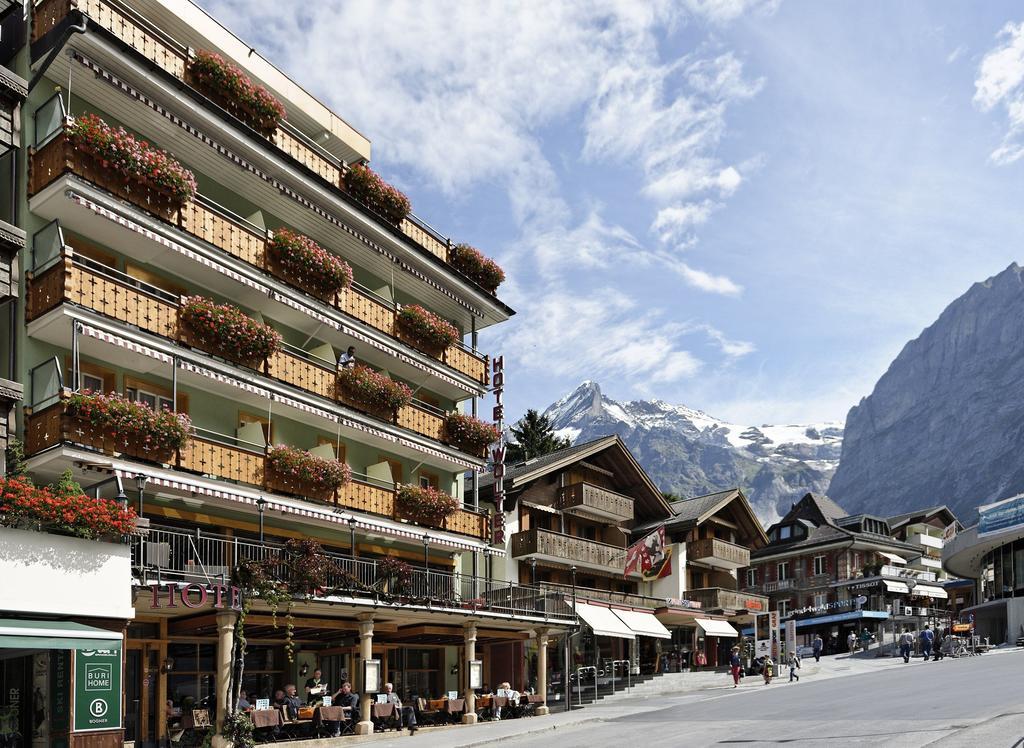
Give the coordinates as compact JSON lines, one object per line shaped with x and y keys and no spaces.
{"x":456,"y":706}
{"x":383,"y":711}
{"x":266,"y":718}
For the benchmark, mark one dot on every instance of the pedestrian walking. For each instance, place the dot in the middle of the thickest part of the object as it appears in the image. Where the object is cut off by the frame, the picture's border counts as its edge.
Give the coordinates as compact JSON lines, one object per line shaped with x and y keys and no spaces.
{"x":851,"y":642}
{"x":906,"y":644}
{"x":735,"y":666}
{"x":794,"y":665}
{"x":927,"y":638}
{"x":768,"y":671}
{"x":817,"y":646}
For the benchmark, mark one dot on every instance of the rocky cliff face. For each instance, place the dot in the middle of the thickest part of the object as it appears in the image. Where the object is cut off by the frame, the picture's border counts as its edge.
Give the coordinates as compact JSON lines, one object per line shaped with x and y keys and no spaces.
{"x":945,"y":423}
{"x":690,"y":453}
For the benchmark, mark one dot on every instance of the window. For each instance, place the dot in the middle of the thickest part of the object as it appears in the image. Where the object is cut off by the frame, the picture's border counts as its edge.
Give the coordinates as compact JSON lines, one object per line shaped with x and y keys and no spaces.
{"x":589,"y":532}
{"x":429,"y":480}
{"x":783,"y":608}
{"x":268,"y":429}
{"x":91,"y":382}
{"x":396,"y":468}
{"x":153,"y":279}
{"x":153,"y":395}
{"x":820,"y":599}
{"x":785,"y":532}
{"x":819,"y":565}
{"x":751,"y":577}
{"x":93,"y":377}
{"x":783,"y":571}
{"x":339,"y":448}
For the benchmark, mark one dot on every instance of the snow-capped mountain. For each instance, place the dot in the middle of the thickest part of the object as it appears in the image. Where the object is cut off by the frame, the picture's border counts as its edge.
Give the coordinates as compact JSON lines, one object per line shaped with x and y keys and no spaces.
{"x":689,"y":452}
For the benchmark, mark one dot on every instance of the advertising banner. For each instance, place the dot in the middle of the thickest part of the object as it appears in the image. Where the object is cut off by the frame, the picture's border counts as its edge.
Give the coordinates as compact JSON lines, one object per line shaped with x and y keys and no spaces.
{"x":651,"y":556}
{"x":97,"y":689}
{"x":773,"y":622}
{"x":1001,"y":516}
{"x":762,"y":634}
{"x":790,"y":636}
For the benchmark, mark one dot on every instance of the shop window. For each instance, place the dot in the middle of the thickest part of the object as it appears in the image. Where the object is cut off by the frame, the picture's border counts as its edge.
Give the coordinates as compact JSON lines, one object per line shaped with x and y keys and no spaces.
{"x":819,"y":565}
{"x":783,"y":570}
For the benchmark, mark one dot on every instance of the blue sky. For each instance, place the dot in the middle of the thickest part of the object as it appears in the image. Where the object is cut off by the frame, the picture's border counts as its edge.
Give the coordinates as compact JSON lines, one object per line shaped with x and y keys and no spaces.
{"x":745,"y":206}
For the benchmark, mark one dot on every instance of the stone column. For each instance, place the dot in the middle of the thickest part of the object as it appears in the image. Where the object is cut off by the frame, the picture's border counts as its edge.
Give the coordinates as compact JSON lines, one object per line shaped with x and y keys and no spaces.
{"x":225,"y":646}
{"x":365,"y":724}
{"x":542,"y":670}
{"x":469,"y":630}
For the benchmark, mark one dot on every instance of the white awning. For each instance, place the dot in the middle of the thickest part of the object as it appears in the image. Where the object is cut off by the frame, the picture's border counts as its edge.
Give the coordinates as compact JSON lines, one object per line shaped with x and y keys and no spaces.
{"x":603,"y":621}
{"x":642,"y":624}
{"x":893,"y":557}
{"x":716,"y":628}
{"x":896,"y":586}
{"x":928,"y":591}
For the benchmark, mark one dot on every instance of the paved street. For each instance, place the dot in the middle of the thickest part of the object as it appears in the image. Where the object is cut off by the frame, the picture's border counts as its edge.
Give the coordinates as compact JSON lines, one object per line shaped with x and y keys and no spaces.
{"x":970,"y":701}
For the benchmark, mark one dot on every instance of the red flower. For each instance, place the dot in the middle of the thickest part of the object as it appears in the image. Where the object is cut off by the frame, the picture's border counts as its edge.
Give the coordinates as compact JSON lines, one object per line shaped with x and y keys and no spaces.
{"x":366,"y":186}
{"x":471,"y":262}
{"x":426,"y":328}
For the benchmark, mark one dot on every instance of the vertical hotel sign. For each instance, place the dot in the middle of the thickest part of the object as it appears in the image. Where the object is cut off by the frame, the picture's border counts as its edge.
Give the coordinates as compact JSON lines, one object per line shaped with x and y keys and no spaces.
{"x":498,"y":451}
{"x":97,"y":689}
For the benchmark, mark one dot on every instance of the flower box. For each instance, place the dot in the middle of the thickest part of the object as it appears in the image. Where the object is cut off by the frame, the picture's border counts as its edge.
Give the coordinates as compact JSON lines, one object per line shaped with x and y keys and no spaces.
{"x":113,"y":423}
{"x":226,"y":331}
{"x":128,"y":167}
{"x":425,"y":505}
{"x":62,"y":510}
{"x":366,"y":186}
{"x":295,"y":471}
{"x":469,"y":434}
{"x":394,"y":576}
{"x":369,"y":390}
{"x":232,"y":90}
{"x":425,"y":330}
{"x":302,"y":262}
{"x":474,"y":265}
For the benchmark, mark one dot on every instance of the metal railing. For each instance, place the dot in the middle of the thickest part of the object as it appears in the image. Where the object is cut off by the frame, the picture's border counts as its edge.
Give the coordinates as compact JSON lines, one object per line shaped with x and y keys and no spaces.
{"x":198,"y":556}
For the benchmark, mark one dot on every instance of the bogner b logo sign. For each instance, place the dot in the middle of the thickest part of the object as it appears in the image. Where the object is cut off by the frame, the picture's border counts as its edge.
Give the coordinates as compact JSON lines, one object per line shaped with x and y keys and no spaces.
{"x":194,"y":595}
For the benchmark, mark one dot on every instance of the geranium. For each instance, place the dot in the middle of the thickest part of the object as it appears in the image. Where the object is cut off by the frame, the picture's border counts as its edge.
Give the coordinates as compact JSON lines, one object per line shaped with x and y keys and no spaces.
{"x":62,"y":511}
{"x":472,"y":263}
{"x":250,"y":102}
{"x":426,"y":505}
{"x":425,"y":328}
{"x":229,"y":331}
{"x":308,"y":262}
{"x":366,"y":186}
{"x":469,"y":433}
{"x":372,"y":389}
{"x":397,"y":573}
{"x":118,"y":417}
{"x":116,"y":149}
{"x":301,"y":466}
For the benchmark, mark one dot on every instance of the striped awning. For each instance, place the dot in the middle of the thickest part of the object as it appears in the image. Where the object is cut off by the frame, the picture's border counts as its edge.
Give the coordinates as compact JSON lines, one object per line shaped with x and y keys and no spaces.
{"x":224,"y":378}
{"x":305,"y":309}
{"x":391,"y":350}
{"x":131,"y":345}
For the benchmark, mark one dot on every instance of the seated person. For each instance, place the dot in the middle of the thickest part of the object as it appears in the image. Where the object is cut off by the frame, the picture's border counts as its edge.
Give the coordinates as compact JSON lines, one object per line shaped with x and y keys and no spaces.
{"x":344,"y":697}
{"x":505,"y":689}
{"x":291,"y":702}
{"x":316,"y":689}
{"x":243,"y":701}
{"x":484,"y":691}
{"x":278,"y":699}
{"x":406,"y":714}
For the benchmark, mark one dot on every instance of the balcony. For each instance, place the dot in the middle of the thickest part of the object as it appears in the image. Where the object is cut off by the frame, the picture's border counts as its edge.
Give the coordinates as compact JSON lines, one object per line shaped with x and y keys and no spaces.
{"x":779,"y":585}
{"x":199,"y":557}
{"x":204,"y":220}
{"x":887,"y":570}
{"x":587,"y":500}
{"x":609,"y":596}
{"x":567,"y":550}
{"x":716,"y":553}
{"x":717,"y":598}
{"x":216,"y":456}
{"x":928,"y":541}
{"x":105,"y":291}
{"x":172,"y":57}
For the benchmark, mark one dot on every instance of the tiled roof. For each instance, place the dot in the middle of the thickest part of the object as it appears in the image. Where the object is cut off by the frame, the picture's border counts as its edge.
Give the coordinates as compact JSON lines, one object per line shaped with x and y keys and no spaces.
{"x":901,"y":519}
{"x":830,"y":509}
{"x":538,"y":463}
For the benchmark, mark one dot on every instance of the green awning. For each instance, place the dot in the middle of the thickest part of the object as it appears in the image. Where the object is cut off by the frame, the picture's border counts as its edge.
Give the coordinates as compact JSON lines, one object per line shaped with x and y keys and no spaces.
{"x":21,"y":634}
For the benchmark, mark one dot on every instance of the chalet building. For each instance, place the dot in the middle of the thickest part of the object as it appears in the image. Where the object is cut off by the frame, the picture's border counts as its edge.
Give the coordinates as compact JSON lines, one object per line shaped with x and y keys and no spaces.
{"x":711,"y":538}
{"x":836,"y":574}
{"x":201,"y":260}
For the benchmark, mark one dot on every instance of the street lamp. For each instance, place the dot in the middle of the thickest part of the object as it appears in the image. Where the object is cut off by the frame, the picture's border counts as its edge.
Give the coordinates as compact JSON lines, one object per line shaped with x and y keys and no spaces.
{"x":911,"y":584}
{"x":533,"y":572}
{"x":261,"y":504}
{"x":122,"y":496}
{"x":140,"y":483}
{"x":352,"y":537}
{"x":426,"y":552}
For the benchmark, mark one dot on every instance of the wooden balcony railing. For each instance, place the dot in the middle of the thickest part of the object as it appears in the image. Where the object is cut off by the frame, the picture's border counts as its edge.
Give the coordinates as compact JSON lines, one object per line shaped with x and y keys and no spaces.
{"x":567,"y":548}
{"x":218,"y":459}
{"x":718,"y":597}
{"x":173,"y":57}
{"x":202,"y":219}
{"x":102,"y":290}
{"x":588,"y":499}
{"x":715,"y":552}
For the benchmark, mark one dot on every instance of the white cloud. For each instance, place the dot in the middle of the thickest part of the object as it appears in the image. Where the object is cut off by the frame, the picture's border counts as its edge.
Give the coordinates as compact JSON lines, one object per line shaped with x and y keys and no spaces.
{"x":723,"y":11}
{"x":732,"y":348}
{"x":673,"y":223}
{"x":956,"y":54}
{"x":998,"y":83}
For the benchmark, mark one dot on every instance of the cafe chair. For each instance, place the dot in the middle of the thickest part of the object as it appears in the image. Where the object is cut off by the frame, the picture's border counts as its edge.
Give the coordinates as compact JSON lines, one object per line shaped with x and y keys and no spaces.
{"x":427,"y":714}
